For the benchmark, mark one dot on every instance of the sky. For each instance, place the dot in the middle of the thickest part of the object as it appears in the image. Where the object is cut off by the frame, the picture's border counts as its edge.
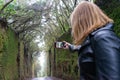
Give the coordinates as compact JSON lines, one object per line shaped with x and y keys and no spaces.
{"x":30,"y":2}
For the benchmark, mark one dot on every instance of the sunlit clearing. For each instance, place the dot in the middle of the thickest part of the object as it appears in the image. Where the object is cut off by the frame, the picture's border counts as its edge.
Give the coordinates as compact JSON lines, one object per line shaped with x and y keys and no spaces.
{"x":41,"y":59}
{"x":40,"y":42}
{"x":42,"y":64}
{"x":30,"y":2}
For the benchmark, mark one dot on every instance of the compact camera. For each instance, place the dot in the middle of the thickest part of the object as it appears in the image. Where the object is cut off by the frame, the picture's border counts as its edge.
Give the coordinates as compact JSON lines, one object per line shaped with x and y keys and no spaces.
{"x":59,"y":44}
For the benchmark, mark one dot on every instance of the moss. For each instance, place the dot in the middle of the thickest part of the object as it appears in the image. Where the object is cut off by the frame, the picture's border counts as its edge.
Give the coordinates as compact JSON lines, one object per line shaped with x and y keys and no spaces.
{"x":2,"y":39}
{"x":66,"y":62}
{"x":1,"y":42}
{"x":9,"y":54}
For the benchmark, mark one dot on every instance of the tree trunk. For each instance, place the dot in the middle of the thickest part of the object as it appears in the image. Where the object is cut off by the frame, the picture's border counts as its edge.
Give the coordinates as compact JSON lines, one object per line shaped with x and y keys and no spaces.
{"x":18,"y":59}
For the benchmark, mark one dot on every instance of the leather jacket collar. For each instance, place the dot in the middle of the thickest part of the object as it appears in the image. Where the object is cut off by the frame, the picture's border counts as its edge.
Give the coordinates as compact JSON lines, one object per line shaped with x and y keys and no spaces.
{"x":108,"y":26}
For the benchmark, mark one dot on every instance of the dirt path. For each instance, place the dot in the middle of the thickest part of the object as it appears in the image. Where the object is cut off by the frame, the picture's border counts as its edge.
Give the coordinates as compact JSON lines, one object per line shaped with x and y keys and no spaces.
{"x":46,"y":78}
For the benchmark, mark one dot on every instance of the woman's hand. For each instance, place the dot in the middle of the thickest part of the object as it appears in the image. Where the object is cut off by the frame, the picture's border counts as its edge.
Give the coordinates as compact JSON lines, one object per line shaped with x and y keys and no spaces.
{"x":66,"y":45}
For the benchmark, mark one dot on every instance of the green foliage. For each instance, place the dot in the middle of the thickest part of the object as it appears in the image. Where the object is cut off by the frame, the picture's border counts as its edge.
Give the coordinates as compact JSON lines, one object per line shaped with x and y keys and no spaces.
{"x":9,"y":54}
{"x":116,"y":17}
{"x":1,"y":2}
{"x":8,"y":11}
{"x":112,"y":8}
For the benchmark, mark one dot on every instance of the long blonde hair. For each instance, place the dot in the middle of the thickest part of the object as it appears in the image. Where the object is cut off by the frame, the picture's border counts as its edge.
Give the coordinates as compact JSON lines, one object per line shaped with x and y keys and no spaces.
{"x":85,"y":18}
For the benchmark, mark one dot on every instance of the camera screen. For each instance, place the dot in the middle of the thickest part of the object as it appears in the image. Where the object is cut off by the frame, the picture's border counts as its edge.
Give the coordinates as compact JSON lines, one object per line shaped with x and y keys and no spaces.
{"x":59,"y":44}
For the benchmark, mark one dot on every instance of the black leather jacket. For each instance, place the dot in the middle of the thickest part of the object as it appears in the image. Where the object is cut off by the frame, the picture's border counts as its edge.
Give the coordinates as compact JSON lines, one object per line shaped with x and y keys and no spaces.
{"x":99,"y":55}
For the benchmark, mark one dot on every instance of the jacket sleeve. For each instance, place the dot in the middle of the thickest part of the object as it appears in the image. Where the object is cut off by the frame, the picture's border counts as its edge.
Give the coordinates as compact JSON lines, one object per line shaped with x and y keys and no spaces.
{"x":74,"y":48}
{"x":106,"y":46}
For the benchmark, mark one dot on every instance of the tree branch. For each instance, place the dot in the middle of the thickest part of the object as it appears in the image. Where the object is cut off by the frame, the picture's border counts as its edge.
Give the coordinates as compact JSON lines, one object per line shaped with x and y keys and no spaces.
{"x":75,"y":3}
{"x":5,"y":6}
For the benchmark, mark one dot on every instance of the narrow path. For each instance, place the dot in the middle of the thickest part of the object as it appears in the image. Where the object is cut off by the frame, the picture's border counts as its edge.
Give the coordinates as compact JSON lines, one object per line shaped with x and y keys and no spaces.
{"x":47,"y":78}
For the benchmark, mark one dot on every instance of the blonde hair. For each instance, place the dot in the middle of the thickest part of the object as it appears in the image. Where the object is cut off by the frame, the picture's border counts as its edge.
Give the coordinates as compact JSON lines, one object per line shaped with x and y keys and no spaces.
{"x":85,"y":18}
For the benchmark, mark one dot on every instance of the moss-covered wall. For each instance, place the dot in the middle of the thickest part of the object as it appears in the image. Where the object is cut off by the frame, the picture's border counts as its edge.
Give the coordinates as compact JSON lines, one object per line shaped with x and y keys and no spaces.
{"x":8,"y":53}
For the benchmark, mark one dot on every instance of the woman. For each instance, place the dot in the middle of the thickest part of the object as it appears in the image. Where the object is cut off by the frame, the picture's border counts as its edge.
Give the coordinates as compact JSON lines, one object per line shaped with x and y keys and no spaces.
{"x":97,"y":44}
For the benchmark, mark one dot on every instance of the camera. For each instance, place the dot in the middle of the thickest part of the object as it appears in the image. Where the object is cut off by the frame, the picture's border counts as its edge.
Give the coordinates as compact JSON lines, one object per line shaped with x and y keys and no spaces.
{"x":59,"y":44}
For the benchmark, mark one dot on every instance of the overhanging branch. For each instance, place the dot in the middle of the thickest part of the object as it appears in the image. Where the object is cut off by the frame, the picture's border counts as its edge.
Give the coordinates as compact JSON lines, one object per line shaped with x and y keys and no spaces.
{"x":4,"y":6}
{"x":75,"y":3}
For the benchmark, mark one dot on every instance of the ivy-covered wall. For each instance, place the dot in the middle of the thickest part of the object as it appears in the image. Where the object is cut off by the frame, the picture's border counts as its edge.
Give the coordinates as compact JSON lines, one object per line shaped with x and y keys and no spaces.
{"x":65,"y":62}
{"x":8,"y":54}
